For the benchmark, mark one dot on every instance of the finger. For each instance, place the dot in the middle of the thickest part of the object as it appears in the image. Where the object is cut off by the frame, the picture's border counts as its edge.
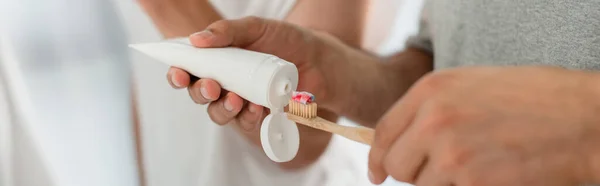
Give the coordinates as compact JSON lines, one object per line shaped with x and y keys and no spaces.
{"x":204,"y":91}
{"x":225,"y":109}
{"x":407,"y":155}
{"x":389,"y":128}
{"x":397,"y":120}
{"x":428,"y":177}
{"x":239,"y":33}
{"x":250,"y":117}
{"x":178,"y":78}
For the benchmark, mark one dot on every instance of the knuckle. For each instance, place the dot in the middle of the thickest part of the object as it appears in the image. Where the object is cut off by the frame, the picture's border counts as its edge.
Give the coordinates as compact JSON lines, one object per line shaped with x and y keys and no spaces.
{"x":455,"y":154}
{"x":385,"y":131}
{"x":433,"y":81}
{"x":382,"y":138}
{"x":430,"y":81}
{"x":447,"y":111}
{"x":455,"y":157}
{"x":440,"y":116}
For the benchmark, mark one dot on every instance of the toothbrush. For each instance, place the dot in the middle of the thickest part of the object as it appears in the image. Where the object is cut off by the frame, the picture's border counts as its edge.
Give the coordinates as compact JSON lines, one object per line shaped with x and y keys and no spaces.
{"x":302,"y":109}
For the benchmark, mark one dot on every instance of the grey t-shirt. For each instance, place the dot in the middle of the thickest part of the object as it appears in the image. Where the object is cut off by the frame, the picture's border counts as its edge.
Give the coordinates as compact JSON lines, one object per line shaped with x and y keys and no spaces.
{"x":511,"y":32}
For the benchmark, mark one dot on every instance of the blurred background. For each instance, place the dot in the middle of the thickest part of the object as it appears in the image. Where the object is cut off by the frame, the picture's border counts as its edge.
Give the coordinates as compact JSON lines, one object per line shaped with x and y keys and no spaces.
{"x":179,"y":144}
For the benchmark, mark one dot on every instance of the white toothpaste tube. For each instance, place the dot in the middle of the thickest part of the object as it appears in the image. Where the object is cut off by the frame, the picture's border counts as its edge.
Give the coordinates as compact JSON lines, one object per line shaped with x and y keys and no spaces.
{"x":260,"y":78}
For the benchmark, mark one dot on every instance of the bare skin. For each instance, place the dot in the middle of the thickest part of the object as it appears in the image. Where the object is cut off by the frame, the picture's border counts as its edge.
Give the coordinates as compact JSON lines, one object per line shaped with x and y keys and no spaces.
{"x":176,"y":18}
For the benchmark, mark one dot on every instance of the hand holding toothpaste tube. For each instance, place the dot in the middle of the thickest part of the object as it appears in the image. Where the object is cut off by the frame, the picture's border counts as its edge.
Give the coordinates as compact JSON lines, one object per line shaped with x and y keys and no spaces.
{"x":300,"y":47}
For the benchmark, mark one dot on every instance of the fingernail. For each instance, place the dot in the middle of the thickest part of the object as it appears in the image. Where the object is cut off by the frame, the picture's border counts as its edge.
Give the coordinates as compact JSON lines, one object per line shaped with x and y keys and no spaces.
{"x":371,"y":178}
{"x":228,"y":105}
{"x":252,"y":108}
{"x":205,"y":34}
{"x":204,"y":93}
{"x":175,"y":82}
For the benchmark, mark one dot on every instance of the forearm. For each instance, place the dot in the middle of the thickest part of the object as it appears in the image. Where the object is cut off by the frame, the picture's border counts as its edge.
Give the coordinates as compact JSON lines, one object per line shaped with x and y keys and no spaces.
{"x":595,"y":167}
{"x":593,"y":152}
{"x":180,"y":18}
{"x":591,"y":138}
{"x":369,"y":85}
{"x":343,"y":19}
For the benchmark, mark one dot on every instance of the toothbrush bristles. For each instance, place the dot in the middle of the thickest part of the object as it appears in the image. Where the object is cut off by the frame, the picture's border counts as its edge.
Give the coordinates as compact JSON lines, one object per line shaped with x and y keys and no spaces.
{"x":308,"y":110}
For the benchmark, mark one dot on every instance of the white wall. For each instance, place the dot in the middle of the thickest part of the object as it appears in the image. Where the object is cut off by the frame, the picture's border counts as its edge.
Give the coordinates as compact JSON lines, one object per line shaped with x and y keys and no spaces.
{"x":5,"y":138}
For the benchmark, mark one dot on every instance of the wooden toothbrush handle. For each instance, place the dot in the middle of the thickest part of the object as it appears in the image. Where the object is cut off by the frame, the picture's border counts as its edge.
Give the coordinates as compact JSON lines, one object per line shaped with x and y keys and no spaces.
{"x":359,"y":134}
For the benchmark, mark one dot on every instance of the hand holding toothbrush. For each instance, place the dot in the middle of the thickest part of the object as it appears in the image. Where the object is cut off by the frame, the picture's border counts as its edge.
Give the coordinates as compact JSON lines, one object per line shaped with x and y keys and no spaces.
{"x":492,"y":126}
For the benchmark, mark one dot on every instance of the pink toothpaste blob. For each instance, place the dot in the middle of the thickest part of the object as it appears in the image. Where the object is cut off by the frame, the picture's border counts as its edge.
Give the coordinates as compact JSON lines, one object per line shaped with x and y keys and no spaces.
{"x":303,"y":97}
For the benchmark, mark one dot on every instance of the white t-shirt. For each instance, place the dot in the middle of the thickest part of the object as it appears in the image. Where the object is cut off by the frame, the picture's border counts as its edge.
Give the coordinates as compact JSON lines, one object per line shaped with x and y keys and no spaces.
{"x":234,"y":9}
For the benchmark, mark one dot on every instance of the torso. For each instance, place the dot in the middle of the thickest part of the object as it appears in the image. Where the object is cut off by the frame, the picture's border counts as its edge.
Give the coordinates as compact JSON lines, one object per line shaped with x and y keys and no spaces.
{"x":515,"y":32}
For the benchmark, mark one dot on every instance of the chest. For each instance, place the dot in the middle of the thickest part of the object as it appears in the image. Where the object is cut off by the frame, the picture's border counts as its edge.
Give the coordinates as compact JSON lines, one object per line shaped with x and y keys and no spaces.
{"x":515,"y":32}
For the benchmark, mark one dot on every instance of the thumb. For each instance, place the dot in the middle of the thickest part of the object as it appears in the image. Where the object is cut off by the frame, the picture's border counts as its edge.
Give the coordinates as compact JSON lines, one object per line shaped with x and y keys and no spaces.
{"x":238,"y":33}
{"x":268,"y":36}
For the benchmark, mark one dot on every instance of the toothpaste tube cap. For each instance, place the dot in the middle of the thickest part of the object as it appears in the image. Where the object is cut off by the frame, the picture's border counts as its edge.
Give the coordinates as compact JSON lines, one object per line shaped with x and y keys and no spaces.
{"x":279,"y":137}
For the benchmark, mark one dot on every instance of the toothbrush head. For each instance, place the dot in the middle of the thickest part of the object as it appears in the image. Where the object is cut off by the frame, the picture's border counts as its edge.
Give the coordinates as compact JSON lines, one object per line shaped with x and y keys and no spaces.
{"x":303,"y":104}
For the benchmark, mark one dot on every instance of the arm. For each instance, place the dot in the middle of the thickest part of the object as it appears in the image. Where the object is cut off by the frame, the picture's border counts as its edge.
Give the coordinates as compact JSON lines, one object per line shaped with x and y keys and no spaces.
{"x":367,"y":86}
{"x":381,"y":81}
{"x":180,"y":18}
{"x":341,"y":18}
{"x":594,"y":135}
{"x":344,"y":19}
